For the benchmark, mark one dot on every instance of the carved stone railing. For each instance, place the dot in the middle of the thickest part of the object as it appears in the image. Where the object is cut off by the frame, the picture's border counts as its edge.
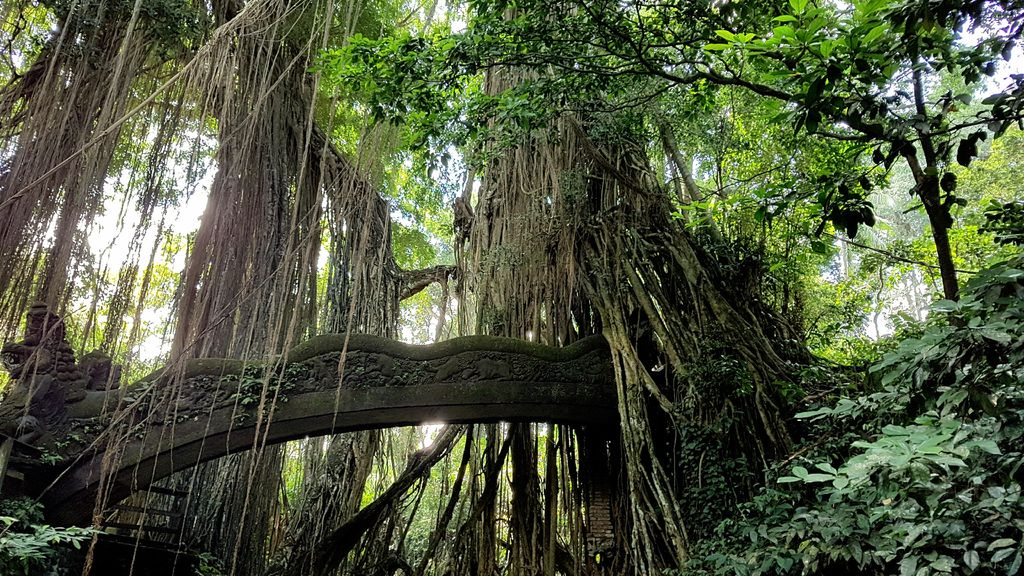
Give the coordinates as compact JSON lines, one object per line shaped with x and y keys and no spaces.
{"x":203,"y":409}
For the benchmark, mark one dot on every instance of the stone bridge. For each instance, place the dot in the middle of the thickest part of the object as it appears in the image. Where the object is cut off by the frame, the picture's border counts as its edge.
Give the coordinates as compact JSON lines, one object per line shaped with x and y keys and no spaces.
{"x":123,"y":439}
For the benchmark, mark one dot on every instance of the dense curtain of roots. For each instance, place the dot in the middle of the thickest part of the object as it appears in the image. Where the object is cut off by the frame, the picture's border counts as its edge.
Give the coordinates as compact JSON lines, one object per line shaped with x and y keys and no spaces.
{"x":518,"y":278}
{"x":74,"y":121}
{"x":571,"y":236}
{"x":64,"y":122}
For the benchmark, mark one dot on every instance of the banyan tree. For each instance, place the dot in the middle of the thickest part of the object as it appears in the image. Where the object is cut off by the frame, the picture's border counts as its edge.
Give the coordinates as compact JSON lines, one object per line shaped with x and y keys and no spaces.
{"x":185,"y":181}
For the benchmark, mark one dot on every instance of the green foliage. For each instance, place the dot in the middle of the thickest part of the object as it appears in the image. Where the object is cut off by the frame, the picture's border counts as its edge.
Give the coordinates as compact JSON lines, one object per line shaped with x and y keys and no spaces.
{"x":169,"y":24}
{"x":992,"y":187}
{"x":926,"y":475}
{"x":847,"y":74}
{"x":824,"y":103}
{"x":22,"y":31}
{"x":408,"y":80}
{"x":838,"y":72}
{"x":422,"y":195}
{"x":27,"y":546}
{"x":1006,"y":222}
{"x":411,"y":247}
{"x":703,"y":476}
{"x":209,"y":565}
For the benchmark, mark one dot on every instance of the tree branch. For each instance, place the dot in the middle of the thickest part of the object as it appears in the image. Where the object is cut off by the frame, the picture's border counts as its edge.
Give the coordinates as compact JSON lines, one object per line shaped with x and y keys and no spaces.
{"x":892,"y":256}
{"x":415,"y":281}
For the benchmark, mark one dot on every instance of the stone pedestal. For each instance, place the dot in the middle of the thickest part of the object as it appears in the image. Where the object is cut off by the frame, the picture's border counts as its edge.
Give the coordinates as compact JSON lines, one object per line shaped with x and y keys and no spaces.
{"x":600,"y":467}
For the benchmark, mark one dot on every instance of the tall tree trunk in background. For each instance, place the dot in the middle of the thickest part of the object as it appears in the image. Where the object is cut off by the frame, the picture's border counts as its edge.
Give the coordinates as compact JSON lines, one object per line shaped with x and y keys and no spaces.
{"x":518,"y":279}
{"x":527,"y":539}
{"x":567,"y":225}
{"x":927,"y":188}
{"x":663,"y":299}
{"x":362,"y":296}
{"x":245,"y":292}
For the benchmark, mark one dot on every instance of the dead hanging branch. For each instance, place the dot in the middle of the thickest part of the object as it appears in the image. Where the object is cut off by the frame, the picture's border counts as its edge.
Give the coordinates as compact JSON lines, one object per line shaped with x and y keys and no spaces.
{"x":441,"y":527}
{"x":328,"y":554}
{"x":415,"y":281}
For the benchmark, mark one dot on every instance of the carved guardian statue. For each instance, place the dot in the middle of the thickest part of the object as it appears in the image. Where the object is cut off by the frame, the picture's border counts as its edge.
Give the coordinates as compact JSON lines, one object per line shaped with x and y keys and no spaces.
{"x":45,"y":379}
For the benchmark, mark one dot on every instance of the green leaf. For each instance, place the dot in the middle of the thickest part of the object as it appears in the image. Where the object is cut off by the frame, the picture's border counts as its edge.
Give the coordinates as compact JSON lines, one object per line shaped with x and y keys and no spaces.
{"x":1001,"y":543}
{"x":948,"y":461}
{"x":814,"y":414}
{"x":716,"y":47}
{"x":987,"y":445}
{"x":819,"y":247}
{"x":798,"y":6}
{"x":826,"y":48}
{"x":783,"y":31}
{"x":873,"y":34}
{"x":996,"y":335}
{"x":943,"y":564}
{"x":1001,"y":555}
{"x":729,"y":36}
{"x":908,"y":566}
{"x":972,"y":559}
{"x":826,"y":467}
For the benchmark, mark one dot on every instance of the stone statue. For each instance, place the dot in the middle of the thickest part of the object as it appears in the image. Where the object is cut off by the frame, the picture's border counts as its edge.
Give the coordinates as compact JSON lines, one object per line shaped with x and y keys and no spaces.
{"x":46,"y":378}
{"x":103,"y":374}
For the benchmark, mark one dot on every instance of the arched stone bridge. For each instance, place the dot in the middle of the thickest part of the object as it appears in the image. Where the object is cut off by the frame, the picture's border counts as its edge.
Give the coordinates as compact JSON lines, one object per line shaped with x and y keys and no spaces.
{"x":208,"y":408}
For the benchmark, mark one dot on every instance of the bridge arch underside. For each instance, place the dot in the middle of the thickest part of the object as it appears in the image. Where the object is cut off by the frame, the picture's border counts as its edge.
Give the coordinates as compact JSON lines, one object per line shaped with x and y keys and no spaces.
{"x":576,"y":392}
